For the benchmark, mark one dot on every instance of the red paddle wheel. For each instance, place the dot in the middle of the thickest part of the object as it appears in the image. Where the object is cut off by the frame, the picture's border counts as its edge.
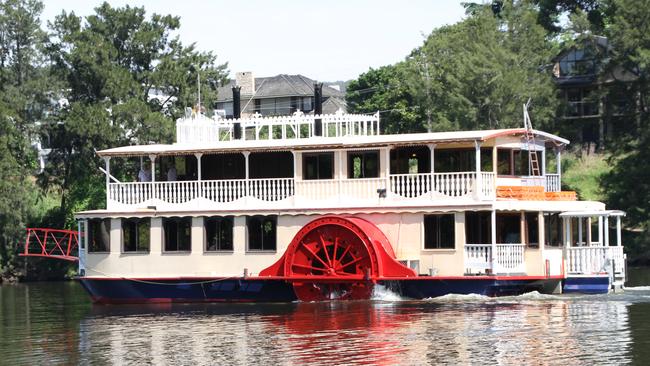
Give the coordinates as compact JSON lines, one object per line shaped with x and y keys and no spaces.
{"x":336,"y":257}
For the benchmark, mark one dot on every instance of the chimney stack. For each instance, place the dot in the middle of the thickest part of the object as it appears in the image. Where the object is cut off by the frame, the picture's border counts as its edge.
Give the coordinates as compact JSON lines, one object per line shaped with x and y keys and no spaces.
{"x":236,"y":110}
{"x":318,"y":108}
{"x":246,"y":81}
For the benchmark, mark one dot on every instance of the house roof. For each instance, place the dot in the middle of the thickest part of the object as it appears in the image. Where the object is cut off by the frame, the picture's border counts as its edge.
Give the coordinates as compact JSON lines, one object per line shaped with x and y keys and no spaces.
{"x":279,"y":86}
{"x":316,"y":143}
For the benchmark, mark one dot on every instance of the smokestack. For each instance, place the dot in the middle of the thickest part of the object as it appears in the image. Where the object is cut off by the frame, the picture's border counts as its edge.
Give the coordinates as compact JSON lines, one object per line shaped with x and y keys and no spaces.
{"x":236,"y":110}
{"x":318,"y":108}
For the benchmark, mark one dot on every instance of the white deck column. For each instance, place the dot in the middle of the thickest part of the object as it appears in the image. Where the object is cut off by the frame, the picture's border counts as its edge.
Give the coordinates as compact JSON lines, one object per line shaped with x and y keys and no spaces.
{"x":600,"y":231}
{"x":386,"y":159}
{"x":618,"y":231}
{"x":493,"y":238}
{"x":198,"y":160}
{"x":432,"y":170}
{"x":246,"y":176}
{"x":152,"y":158}
{"x":477,"y":147}
{"x":558,"y":164}
{"x":579,"y":230}
{"x":544,"y":163}
{"x":107,"y":163}
{"x":606,"y":231}
{"x":567,"y":231}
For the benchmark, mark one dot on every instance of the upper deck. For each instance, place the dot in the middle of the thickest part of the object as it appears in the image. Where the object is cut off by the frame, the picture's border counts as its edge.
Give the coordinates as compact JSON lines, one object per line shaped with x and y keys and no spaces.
{"x":325,"y":161}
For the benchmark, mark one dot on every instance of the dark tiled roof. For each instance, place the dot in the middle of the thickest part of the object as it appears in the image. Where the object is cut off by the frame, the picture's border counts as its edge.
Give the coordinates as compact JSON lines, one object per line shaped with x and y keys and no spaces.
{"x":279,"y":86}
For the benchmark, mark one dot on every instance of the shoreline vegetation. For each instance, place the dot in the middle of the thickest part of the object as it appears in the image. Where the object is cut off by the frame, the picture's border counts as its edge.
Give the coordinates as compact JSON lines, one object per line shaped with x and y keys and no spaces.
{"x":81,"y":84}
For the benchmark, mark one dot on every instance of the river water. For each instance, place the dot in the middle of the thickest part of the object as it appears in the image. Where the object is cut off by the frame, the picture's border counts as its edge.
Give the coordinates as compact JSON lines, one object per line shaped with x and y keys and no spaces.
{"x":54,"y":323}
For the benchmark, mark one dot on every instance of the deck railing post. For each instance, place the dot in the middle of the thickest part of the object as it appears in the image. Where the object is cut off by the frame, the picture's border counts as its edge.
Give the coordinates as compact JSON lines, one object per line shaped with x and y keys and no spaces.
{"x":493,"y":238}
{"x":478,"y":185}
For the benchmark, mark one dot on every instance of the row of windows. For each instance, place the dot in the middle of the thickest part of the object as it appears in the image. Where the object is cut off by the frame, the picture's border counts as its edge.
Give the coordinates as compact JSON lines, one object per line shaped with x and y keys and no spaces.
{"x":177,"y":234}
{"x":439,"y":232}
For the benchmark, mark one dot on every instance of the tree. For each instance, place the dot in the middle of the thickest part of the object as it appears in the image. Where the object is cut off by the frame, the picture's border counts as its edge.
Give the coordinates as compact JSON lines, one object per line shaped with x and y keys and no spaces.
{"x":110,"y":62}
{"x":383,"y":90}
{"x":477,"y":73}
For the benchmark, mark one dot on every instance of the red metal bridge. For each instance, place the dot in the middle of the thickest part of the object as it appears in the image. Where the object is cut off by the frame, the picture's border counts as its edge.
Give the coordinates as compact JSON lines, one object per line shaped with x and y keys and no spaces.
{"x":52,"y":243}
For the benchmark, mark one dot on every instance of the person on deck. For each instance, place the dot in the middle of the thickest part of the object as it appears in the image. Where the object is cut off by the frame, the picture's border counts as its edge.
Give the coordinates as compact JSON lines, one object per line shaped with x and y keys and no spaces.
{"x":144,"y":175}
{"x":171,"y":173}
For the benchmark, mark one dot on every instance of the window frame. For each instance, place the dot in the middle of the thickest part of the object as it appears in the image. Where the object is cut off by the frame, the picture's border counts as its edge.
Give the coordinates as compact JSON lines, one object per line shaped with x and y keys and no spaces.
{"x":91,"y":235}
{"x":137,"y":221}
{"x":425,"y":227}
{"x":363,"y":155}
{"x":318,"y":156}
{"x":271,"y":218}
{"x":164,"y":235}
{"x":206,"y":241}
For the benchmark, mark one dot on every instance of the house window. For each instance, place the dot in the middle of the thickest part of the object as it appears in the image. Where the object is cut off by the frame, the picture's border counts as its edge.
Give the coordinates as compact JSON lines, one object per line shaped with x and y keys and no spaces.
{"x":515,"y":162}
{"x":552,"y":229}
{"x":318,"y":166}
{"x":578,"y":62}
{"x":218,"y":233}
{"x":580,"y":103}
{"x":261,"y":232}
{"x":99,"y":235}
{"x":177,"y":234}
{"x":363,"y":164}
{"x":439,"y":231}
{"x":136,"y":235}
{"x":532,"y":229}
{"x":478,"y":227}
{"x":258,"y":106}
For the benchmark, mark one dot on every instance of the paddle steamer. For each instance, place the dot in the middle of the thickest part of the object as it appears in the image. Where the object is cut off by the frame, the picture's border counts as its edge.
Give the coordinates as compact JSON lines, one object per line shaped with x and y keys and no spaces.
{"x":317,"y":207}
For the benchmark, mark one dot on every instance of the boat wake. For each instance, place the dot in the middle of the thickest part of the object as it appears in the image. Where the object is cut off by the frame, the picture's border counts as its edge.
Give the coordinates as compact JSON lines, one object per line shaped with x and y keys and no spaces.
{"x":381,"y":293}
{"x":637,"y":288}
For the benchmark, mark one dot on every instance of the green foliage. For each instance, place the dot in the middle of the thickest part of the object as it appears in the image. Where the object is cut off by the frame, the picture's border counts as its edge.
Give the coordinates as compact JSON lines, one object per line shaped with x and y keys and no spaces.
{"x":110,"y":62}
{"x":584,"y":173}
{"x":384,"y":90}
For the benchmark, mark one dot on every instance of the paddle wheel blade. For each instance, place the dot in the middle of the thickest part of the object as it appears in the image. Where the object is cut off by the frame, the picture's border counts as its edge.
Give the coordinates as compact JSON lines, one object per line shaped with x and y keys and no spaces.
{"x":51,"y":243}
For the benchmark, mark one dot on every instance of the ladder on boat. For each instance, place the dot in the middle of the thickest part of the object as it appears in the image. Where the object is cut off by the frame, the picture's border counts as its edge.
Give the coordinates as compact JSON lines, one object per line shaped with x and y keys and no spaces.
{"x":533,"y":162}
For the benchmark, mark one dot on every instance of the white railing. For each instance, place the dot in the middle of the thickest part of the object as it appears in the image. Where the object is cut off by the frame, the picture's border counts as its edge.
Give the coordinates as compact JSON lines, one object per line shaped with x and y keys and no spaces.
{"x":201,"y":129}
{"x":317,"y":189}
{"x":533,"y":180}
{"x":271,"y":189}
{"x":478,"y":258}
{"x":410,"y":185}
{"x":223,"y":190}
{"x":487,"y":185}
{"x":453,"y":184}
{"x":589,"y":260}
{"x":553,"y":183}
{"x":509,"y":258}
{"x":363,"y":188}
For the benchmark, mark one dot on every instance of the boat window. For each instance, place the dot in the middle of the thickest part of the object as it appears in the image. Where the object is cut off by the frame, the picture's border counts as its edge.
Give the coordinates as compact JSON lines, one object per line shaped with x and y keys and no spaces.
{"x":508,"y":228}
{"x":532,"y":229}
{"x":461,"y":160}
{"x":363,"y":164}
{"x":318,"y":166}
{"x":552,"y":229}
{"x":410,"y":160}
{"x":177,"y":234}
{"x":277,"y":164}
{"x":439,"y":231}
{"x":99,"y":235}
{"x":223,"y":166}
{"x":478,"y":227}
{"x":135,"y":234}
{"x":218,"y":233}
{"x":261,"y":232}
{"x":515,"y":162}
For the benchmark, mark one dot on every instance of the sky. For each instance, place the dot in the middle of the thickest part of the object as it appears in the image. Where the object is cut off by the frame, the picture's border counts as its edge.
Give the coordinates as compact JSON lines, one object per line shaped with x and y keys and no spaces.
{"x":324,"y":40}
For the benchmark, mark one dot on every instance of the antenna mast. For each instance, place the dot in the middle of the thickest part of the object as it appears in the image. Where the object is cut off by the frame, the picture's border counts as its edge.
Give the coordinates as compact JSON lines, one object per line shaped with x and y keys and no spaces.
{"x":533,"y":162}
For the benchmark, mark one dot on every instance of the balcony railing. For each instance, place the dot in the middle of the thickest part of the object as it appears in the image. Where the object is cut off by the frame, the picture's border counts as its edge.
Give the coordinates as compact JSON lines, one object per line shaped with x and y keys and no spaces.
{"x":509,"y":258}
{"x":595,"y":259}
{"x":367,"y":191}
{"x":550,"y":182}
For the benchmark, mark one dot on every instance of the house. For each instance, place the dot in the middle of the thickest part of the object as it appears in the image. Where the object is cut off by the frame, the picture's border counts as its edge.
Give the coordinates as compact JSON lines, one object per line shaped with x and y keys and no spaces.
{"x":277,"y":95}
{"x":594,"y":93}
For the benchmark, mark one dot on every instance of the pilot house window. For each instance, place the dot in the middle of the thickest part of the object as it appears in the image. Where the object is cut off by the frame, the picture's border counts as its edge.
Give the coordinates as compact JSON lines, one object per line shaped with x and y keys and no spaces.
{"x":439,"y":231}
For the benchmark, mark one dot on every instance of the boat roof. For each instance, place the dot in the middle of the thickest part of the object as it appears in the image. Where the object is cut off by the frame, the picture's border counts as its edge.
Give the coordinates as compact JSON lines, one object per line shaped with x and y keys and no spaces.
{"x":314,"y":143}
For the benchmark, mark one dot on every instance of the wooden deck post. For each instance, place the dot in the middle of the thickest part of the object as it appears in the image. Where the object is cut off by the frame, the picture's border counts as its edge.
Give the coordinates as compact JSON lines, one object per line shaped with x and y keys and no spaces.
{"x":479,"y":190}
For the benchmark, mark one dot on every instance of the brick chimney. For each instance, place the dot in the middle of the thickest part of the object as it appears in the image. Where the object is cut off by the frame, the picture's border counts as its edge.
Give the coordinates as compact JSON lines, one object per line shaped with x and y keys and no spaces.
{"x":246,"y":81}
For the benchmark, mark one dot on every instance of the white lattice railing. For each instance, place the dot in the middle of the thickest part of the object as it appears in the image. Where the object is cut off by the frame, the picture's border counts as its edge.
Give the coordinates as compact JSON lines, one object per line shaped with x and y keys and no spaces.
{"x":453,"y":184}
{"x":589,"y":260}
{"x":487,"y":185}
{"x":509,"y":258}
{"x":271,"y":189}
{"x":410,"y":185}
{"x":201,"y":129}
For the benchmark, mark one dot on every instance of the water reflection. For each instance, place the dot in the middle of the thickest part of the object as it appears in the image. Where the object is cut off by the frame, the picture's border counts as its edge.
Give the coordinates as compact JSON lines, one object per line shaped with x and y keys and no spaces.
{"x":55,"y":324}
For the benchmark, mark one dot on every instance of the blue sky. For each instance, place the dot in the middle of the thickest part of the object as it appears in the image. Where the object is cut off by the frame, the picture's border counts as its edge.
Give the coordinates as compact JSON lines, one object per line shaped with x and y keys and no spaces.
{"x":324,"y":40}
